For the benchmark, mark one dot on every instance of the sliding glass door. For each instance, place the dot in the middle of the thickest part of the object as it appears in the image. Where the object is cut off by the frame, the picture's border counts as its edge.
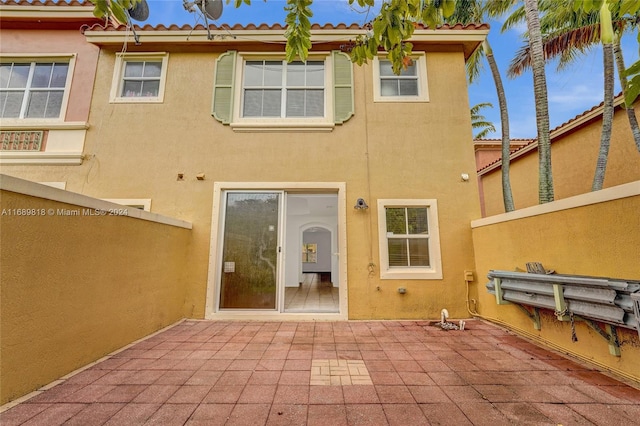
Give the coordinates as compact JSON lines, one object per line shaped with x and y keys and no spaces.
{"x":250,"y":250}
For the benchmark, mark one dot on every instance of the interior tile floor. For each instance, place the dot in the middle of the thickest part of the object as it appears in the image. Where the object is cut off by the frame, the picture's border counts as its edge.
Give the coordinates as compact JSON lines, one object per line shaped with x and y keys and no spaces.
{"x":260,"y":373}
{"x":313,"y":295}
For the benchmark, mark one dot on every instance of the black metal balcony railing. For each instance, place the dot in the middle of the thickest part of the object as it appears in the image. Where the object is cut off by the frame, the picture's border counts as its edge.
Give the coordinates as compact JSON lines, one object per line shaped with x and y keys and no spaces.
{"x":613,"y":302}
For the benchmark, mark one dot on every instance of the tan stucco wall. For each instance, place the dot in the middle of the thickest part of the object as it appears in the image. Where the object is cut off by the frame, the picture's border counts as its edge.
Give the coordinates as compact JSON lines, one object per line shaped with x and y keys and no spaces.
{"x":75,"y":288}
{"x":52,"y":42}
{"x":599,"y":240}
{"x":411,"y":150}
{"x":573,"y":161}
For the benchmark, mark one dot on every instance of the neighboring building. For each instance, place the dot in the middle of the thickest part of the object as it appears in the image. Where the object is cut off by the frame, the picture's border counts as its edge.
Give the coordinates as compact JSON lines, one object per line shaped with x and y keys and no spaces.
{"x":574,"y":151}
{"x":488,"y":151}
{"x":47,"y":76}
{"x":275,"y":164}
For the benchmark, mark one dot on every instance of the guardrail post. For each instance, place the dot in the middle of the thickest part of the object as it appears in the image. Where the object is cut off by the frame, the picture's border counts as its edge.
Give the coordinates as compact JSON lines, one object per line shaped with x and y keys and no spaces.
{"x":499,"y":299}
{"x":562,"y":313}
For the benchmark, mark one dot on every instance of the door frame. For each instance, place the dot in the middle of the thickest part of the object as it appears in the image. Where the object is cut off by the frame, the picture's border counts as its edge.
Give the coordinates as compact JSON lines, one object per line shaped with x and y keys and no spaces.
{"x":217,"y":234}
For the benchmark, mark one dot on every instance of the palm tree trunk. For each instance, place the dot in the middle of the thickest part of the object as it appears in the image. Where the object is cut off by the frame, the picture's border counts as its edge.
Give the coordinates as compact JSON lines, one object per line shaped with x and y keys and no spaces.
{"x":507,"y":196}
{"x":545,"y":179}
{"x":607,"y":118}
{"x":631,"y":113}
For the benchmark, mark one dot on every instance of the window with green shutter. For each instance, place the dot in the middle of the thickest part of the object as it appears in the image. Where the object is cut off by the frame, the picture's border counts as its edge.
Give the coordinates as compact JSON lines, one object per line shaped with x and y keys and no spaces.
{"x":257,"y":93}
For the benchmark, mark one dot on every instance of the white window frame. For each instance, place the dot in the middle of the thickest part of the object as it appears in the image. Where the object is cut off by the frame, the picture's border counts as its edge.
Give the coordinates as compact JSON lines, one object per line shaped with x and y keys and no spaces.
{"x":420,"y":62}
{"x":68,"y":58}
{"x":434,"y":271}
{"x":282,"y":123}
{"x":118,"y":77}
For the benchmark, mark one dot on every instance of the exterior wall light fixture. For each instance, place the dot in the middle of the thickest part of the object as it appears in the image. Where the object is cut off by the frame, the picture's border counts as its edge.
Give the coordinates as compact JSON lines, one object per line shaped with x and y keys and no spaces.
{"x":361,"y":204}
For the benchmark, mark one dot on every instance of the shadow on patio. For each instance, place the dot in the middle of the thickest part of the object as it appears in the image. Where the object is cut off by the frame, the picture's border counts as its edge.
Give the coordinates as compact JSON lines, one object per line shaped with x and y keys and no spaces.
{"x":297,"y":373}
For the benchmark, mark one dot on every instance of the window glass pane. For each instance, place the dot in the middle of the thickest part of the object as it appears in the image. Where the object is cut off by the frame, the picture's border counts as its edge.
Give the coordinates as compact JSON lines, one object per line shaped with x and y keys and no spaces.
{"x":417,"y":218}
{"x":42,"y":75}
{"x":408,"y":87}
{"x":388,"y":87}
{"x":253,"y":73}
{"x":252,"y":103}
{"x":295,"y":103}
{"x":396,"y":222}
{"x":131,"y":88}
{"x":315,"y":103}
{"x":54,"y":104}
{"x":272,"y":105}
{"x":296,"y":74}
{"x":5,"y":73}
{"x":59,"y":78}
{"x":133,"y":69}
{"x":273,"y":73}
{"x":19,"y":75}
{"x":150,"y":88}
{"x":11,"y":102}
{"x":152,"y":69}
{"x":261,"y":103}
{"x":419,"y":252}
{"x":398,"y":252}
{"x":411,"y":70}
{"x":37,"y":104}
{"x":315,"y":73}
{"x":385,"y":69}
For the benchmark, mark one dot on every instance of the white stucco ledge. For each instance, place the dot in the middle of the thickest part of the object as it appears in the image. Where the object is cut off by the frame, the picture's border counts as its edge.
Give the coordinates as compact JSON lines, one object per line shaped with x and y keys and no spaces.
{"x":626,"y":190}
{"x":21,"y":186}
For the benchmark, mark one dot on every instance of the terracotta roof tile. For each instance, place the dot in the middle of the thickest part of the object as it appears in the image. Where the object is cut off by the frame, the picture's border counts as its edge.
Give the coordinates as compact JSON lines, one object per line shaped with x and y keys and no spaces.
{"x":46,"y":3}
{"x":276,"y":27}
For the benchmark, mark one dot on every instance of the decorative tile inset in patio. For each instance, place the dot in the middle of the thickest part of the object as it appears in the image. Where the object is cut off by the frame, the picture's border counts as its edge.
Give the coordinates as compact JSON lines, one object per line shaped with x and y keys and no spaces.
{"x":339,"y":372}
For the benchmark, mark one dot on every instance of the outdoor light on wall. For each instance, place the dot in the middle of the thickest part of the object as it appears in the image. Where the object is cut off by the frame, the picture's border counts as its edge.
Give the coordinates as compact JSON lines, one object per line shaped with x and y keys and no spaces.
{"x":361,"y":204}
{"x":464,"y":177}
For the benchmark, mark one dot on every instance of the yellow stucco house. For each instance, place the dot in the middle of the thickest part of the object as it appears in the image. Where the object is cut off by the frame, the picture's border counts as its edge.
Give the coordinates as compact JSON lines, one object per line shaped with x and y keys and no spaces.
{"x":349,"y":173}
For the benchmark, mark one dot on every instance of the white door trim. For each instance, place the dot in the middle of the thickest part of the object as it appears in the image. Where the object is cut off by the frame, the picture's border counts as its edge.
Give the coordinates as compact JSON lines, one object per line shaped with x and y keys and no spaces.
{"x":211,"y":310}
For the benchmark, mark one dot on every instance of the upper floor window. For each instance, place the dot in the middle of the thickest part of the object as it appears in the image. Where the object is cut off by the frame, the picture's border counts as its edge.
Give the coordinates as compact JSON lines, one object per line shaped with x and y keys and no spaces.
{"x":409,"y":239}
{"x":32,"y":89}
{"x":139,"y":77}
{"x":408,"y":86}
{"x":281,"y":89}
{"x":257,"y":93}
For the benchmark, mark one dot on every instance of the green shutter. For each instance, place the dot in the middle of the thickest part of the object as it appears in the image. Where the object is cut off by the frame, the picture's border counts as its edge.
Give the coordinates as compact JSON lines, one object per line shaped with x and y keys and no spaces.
{"x":342,"y":87}
{"x":223,"y":87}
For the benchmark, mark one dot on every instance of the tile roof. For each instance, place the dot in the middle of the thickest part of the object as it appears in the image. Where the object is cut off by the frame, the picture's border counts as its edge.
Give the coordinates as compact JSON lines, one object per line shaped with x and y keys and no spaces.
{"x":590,"y":114}
{"x":273,"y":27}
{"x":46,"y":3}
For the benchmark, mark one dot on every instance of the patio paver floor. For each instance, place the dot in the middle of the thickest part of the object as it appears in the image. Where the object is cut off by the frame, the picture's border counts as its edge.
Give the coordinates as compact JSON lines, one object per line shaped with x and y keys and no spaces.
{"x":286,"y":373}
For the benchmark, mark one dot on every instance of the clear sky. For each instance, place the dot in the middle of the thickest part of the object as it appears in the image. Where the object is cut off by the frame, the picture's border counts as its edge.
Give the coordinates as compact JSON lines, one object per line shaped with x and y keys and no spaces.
{"x":572,"y":91}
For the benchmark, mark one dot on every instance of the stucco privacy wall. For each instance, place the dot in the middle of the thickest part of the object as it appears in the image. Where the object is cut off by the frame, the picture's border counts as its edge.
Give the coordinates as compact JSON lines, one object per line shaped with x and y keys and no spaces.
{"x":76,"y":287}
{"x":571,"y":236}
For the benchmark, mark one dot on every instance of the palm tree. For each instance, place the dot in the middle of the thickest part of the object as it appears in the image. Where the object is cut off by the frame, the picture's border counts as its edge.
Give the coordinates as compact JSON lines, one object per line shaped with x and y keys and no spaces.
{"x":470,"y":11}
{"x":478,"y":121}
{"x":545,"y":178}
{"x":606,"y":35}
{"x":568,"y":33}
{"x":530,"y":13}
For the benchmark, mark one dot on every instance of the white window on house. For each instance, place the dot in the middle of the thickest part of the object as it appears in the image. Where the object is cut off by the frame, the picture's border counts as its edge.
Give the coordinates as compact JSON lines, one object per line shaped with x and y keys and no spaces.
{"x":409,"y":239}
{"x":139,"y":77}
{"x":408,"y":86}
{"x":281,"y":89}
{"x":34,"y":90}
{"x":257,"y":93}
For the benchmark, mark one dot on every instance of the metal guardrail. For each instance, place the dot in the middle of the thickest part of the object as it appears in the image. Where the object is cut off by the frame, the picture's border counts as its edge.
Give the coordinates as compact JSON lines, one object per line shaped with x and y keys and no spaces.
{"x":614,"y":302}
